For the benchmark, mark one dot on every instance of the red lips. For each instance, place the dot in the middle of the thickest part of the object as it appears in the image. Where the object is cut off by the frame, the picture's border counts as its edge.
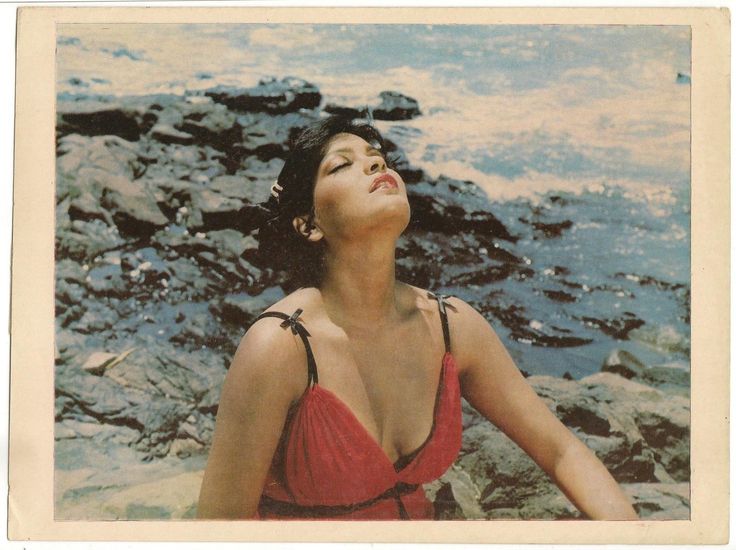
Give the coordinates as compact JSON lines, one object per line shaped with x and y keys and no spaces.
{"x":387,"y":180}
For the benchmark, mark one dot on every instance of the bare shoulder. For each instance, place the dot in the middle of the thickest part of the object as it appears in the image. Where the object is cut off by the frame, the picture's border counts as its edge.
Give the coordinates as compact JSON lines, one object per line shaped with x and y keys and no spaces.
{"x":459,"y":312}
{"x":271,"y":356}
{"x":470,"y":333}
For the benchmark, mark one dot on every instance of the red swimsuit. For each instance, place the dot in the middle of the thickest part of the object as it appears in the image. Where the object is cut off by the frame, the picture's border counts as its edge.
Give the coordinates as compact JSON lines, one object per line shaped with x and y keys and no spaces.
{"x":327,"y":465}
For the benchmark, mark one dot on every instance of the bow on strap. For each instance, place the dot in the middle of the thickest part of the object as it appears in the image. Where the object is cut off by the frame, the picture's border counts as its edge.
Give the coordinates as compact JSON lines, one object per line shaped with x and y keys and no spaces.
{"x":293,"y":322}
{"x":442,"y":302}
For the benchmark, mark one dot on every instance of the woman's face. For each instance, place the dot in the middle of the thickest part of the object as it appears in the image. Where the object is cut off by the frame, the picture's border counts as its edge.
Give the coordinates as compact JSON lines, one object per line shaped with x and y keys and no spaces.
{"x":355,"y":194}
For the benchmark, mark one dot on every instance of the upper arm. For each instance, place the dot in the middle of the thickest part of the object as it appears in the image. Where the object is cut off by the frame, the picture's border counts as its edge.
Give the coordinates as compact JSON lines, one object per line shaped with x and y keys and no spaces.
{"x":495,"y":387}
{"x":267,"y":374}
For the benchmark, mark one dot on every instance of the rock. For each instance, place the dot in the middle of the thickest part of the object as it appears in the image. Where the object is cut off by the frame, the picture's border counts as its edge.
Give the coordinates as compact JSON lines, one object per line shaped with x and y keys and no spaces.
{"x":173,"y":497}
{"x":613,"y":416}
{"x":271,"y":96}
{"x":454,"y":206}
{"x":216,"y":127}
{"x":551,"y":230}
{"x":69,"y":293}
{"x":237,"y":187}
{"x":348,"y":112}
{"x":618,"y":328}
{"x":674,"y":376}
{"x":655,"y":501}
{"x":560,"y":296}
{"x":454,"y":496}
{"x":217,"y":211}
{"x":84,"y":164}
{"x":134,"y":208}
{"x":267,"y":137}
{"x":99,"y":361}
{"x":396,"y":106}
{"x":168,"y":134}
{"x":98,"y":119}
{"x":242,"y":309}
{"x":107,"y":279}
{"x":529,"y":331}
{"x":623,"y":363}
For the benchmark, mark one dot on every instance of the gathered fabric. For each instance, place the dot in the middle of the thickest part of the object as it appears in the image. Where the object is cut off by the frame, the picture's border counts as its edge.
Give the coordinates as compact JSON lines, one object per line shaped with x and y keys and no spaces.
{"x":328,"y":466}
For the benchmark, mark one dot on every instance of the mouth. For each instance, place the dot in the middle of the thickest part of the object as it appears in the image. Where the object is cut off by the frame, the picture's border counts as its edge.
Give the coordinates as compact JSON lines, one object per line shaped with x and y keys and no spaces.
{"x":385,"y":181}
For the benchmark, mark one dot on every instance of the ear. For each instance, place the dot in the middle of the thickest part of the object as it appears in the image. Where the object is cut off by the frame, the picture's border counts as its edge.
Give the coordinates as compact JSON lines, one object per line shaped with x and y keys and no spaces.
{"x":306,"y":228}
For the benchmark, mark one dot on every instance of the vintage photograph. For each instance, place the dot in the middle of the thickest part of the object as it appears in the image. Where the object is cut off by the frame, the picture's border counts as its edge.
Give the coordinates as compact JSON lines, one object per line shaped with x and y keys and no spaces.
{"x":471,"y":244}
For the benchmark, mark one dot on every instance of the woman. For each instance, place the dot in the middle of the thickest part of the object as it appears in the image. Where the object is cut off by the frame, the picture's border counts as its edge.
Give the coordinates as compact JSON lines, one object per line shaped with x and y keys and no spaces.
{"x":344,"y":397}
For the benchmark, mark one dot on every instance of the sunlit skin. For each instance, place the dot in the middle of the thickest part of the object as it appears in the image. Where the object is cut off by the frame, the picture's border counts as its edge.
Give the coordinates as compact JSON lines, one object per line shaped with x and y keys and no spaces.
{"x":378,"y":343}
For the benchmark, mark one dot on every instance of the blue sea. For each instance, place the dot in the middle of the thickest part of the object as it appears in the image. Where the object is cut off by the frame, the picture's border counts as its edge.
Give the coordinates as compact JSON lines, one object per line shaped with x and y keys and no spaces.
{"x":588,"y":124}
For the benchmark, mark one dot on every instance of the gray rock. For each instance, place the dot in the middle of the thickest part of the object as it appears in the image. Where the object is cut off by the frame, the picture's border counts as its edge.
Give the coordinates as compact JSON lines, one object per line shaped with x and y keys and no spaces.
{"x":272,"y":96}
{"x":629,"y":366}
{"x":134,"y":207}
{"x":107,"y":279}
{"x":640,"y":433}
{"x":396,"y":106}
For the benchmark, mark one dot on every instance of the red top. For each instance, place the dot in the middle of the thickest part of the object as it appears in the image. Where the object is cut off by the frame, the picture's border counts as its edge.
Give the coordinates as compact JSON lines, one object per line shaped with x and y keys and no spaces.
{"x":328,"y":466}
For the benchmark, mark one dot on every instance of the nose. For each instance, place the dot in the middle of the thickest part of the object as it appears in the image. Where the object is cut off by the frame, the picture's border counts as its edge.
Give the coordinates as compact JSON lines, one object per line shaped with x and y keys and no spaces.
{"x":375,"y":164}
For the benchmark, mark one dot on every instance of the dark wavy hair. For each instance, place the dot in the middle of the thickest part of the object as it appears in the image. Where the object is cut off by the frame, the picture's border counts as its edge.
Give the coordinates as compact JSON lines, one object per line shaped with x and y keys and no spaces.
{"x":281,"y":247}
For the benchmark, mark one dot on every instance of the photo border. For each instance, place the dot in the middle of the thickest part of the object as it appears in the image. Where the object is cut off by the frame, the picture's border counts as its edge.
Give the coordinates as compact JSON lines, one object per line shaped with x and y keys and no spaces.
{"x":31,"y":445}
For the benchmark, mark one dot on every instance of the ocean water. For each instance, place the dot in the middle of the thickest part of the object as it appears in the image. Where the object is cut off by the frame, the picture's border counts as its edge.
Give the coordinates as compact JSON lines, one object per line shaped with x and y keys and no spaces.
{"x":588,"y":124}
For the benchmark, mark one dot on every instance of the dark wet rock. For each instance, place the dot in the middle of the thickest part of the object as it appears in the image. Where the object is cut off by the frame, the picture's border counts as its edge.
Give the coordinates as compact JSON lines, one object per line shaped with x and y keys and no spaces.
{"x":215,"y":126}
{"x":270,"y":96}
{"x":529,"y":331}
{"x":616,"y":328}
{"x":646,"y":280}
{"x":551,"y":230}
{"x":396,"y":106}
{"x":98,"y":119}
{"x":344,"y":111}
{"x":242,"y":309}
{"x":560,"y":296}
{"x":454,"y":206}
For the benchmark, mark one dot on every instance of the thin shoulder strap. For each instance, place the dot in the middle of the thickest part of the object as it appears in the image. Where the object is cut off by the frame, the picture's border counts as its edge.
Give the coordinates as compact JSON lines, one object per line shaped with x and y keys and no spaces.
{"x":442,"y":305}
{"x":297,"y":328}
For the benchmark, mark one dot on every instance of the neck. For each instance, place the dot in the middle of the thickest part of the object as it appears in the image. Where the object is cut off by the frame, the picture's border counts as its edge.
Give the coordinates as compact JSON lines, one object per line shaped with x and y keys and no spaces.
{"x":359,"y":287}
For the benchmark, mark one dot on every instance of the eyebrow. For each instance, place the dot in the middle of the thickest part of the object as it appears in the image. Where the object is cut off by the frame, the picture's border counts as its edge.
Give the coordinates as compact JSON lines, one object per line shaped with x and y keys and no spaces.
{"x":350,"y":150}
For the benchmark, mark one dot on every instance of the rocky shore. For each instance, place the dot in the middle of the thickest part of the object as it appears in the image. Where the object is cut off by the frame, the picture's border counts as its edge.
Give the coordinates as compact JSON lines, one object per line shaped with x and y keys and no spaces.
{"x":157,"y":279}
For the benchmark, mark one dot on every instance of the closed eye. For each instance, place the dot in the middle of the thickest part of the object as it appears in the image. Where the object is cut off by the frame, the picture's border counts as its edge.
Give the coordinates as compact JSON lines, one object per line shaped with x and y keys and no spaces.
{"x":339,"y":167}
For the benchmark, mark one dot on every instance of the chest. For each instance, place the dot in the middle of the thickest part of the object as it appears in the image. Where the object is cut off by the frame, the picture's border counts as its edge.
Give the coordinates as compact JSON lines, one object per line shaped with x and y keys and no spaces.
{"x":387,"y":379}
